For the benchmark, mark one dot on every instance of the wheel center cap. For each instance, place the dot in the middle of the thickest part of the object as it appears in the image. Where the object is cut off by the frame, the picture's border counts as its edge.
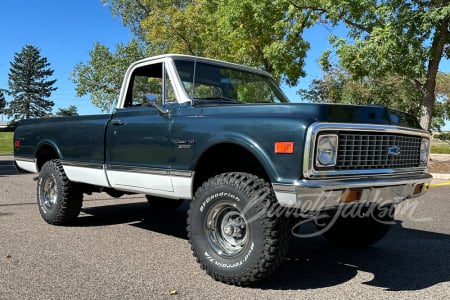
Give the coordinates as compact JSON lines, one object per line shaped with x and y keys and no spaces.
{"x":228,"y":229}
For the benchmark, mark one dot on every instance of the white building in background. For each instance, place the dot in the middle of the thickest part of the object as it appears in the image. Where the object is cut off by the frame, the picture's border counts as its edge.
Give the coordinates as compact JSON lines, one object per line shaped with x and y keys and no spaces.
{"x":3,"y":124}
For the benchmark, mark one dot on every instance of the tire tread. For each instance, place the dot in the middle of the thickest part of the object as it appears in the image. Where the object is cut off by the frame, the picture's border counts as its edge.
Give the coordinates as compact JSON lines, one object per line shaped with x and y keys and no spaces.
{"x":275,"y":228}
{"x":70,"y":198}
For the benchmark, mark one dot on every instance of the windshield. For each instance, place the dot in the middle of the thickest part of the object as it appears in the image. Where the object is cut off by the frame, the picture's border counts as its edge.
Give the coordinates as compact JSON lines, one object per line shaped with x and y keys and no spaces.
{"x":209,"y":82}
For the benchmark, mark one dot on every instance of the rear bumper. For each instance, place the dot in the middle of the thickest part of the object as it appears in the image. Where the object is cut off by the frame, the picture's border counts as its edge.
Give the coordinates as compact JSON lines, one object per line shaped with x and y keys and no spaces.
{"x":315,"y":195}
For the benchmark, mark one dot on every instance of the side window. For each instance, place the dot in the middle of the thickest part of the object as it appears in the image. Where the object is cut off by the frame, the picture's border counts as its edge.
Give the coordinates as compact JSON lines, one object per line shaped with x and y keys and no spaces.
{"x":150,"y":81}
{"x":143,"y":85}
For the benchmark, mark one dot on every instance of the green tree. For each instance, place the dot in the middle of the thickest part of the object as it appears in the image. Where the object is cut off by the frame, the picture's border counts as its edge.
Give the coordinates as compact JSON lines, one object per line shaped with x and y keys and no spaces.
{"x":131,"y":12}
{"x":339,"y":86}
{"x":101,"y":77}
{"x":386,"y":39}
{"x":405,"y":38}
{"x":442,"y":105}
{"x":2,"y":102}
{"x":443,"y":136}
{"x":67,"y":112}
{"x":264,"y":34}
{"x":29,"y":85}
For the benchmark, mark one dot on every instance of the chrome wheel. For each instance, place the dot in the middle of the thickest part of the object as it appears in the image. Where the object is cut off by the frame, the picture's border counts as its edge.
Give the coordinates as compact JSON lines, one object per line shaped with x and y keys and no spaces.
{"x":50,"y":195}
{"x":226,"y":229}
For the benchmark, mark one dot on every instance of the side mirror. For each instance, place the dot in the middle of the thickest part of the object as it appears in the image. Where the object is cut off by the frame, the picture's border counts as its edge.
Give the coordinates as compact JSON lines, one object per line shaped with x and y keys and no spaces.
{"x":152,"y":101}
{"x":151,"y":98}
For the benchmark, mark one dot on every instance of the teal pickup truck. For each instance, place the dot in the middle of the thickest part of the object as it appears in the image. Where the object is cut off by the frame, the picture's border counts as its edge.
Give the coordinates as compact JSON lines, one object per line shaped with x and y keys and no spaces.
{"x":253,"y":164}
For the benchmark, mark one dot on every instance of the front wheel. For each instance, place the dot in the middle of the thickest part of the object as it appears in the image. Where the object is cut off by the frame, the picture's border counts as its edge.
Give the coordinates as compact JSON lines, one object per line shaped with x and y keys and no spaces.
{"x":59,"y":200}
{"x":231,"y":229}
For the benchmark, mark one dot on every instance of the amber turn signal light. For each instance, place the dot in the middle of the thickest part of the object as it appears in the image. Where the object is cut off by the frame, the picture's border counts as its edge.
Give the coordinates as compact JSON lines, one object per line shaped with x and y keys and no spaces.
{"x":284,"y":147}
{"x":418,"y":189}
{"x":351,"y":196}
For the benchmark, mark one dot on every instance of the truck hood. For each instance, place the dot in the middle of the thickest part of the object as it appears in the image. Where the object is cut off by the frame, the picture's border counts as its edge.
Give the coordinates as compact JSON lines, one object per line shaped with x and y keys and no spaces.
{"x":314,"y":112}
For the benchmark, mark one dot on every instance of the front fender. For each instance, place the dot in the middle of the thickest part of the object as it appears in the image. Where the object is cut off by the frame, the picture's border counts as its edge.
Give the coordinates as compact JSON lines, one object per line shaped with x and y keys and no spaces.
{"x":249,"y":144}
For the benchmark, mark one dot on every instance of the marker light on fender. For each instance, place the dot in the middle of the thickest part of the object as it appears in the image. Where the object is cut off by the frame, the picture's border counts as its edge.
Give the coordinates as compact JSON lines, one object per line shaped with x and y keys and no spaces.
{"x":284,"y":147}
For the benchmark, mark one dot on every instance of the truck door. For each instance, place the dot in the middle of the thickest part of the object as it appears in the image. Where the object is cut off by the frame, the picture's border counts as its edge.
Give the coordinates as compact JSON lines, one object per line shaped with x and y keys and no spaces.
{"x":138,"y":138}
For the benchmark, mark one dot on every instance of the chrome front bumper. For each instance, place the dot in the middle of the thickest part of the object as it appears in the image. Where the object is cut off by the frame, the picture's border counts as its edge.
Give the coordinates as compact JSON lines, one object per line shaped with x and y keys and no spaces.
{"x":320,"y":194}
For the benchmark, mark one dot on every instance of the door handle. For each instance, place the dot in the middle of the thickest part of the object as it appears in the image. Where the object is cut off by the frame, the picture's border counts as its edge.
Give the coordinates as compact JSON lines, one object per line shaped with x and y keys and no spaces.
{"x":117,"y":122}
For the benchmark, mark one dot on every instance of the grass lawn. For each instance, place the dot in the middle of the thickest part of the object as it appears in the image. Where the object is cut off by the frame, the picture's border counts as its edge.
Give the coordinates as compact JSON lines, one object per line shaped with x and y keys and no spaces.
{"x":439,"y":147}
{"x":6,"y":142}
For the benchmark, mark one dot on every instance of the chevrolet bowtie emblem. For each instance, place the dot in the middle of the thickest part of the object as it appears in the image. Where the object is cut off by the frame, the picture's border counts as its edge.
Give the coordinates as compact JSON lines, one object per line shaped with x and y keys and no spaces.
{"x":393,"y":150}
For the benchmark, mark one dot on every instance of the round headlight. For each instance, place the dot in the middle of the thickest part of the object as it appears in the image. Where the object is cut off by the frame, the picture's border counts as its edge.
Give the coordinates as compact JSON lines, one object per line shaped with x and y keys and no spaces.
{"x":424,"y":150}
{"x":326,"y":150}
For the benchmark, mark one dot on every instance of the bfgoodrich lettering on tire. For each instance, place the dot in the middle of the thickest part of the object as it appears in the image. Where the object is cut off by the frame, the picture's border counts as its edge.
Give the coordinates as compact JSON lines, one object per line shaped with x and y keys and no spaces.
{"x":231,"y":233}
{"x":58,"y":199}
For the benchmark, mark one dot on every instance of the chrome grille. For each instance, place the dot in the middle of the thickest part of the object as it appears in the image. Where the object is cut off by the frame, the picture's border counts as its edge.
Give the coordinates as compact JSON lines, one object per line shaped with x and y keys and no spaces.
{"x":363,"y":151}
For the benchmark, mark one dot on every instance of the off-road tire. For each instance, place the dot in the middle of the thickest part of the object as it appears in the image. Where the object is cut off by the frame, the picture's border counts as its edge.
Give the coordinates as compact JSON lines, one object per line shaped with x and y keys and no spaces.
{"x":59,"y":200}
{"x":160,"y":203}
{"x":366,"y":226}
{"x":234,"y":231}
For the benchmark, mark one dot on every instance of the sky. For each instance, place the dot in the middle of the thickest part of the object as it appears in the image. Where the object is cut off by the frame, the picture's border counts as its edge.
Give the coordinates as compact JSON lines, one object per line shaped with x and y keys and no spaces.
{"x":65,"y":32}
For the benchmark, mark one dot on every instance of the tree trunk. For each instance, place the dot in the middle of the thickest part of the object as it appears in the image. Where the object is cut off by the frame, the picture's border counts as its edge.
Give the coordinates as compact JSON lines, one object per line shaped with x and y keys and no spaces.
{"x":426,"y":110}
{"x":437,"y":49}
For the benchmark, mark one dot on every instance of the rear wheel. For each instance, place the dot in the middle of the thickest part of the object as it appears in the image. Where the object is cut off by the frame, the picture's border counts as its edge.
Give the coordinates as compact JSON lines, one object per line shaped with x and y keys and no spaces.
{"x":59,"y":200}
{"x":358,"y":227}
{"x":231,"y":231}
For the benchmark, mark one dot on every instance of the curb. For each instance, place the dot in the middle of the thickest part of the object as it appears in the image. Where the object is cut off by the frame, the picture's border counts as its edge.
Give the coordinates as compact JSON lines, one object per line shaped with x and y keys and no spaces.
{"x":439,"y":157}
{"x":440,"y":176}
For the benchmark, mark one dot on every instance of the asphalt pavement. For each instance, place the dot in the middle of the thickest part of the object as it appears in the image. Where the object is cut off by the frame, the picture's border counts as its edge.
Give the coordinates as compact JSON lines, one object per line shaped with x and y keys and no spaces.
{"x":121,"y":249}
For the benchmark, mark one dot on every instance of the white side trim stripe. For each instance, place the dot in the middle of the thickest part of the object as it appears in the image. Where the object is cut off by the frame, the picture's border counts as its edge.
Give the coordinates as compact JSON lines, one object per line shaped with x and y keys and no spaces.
{"x":86,"y":175}
{"x":29,"y":166}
